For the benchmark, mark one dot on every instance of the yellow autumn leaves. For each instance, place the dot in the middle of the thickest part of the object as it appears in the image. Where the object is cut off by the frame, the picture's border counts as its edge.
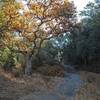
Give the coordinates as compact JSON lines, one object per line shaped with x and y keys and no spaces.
{"x":2,"y":18}
{"x":29,"y":21}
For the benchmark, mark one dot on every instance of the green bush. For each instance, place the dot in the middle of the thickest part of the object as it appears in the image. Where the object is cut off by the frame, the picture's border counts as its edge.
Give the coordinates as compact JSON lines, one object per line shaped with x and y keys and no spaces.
{"x":7,"y":59}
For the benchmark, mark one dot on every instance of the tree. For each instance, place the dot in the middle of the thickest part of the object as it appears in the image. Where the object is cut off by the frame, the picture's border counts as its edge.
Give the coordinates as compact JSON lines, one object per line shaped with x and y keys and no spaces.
{"x":90,"y":35}
{"x":85,"y":44}
{"x":28,"y":29}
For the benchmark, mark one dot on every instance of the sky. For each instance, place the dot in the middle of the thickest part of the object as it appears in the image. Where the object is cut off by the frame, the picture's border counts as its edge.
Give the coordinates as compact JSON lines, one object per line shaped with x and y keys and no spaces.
{"x":80,"y":4}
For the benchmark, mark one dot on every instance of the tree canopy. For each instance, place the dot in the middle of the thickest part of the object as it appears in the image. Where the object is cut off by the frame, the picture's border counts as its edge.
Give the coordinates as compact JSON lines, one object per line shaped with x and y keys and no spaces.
{"x":26,"y":27}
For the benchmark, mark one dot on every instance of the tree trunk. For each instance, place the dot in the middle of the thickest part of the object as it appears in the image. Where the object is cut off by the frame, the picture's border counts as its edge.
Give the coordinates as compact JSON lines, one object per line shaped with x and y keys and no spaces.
{"x":28,"y":65}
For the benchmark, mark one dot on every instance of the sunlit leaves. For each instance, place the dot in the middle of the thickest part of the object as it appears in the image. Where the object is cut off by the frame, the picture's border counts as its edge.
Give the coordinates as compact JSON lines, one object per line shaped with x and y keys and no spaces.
{"x":2,"y":17}
{"x":37,"y":22}
{"x":38,"y":9}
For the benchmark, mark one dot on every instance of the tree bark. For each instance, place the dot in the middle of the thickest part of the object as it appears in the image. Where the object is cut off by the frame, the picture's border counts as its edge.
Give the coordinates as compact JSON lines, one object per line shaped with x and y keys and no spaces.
{"x":28,"y":65}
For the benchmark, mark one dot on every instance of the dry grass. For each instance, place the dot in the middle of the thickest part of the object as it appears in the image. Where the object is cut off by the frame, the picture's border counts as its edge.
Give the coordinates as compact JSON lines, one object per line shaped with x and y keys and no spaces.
{"x":12,"y":88}
{"x":91,"y":89}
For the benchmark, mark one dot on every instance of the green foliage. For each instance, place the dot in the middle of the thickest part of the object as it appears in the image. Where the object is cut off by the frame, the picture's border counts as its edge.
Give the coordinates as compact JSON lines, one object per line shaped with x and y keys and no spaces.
{"x":4,"y":54}
{"x":89,"y":10}
{"x":8,"y":59}
{"x":2,"y":17}
{"x":10,"y":63}
{"x":85,"y":46}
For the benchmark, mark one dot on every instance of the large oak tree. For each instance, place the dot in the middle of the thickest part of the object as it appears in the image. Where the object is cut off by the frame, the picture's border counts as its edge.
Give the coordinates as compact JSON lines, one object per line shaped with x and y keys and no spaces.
{"x":25,"y":27}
